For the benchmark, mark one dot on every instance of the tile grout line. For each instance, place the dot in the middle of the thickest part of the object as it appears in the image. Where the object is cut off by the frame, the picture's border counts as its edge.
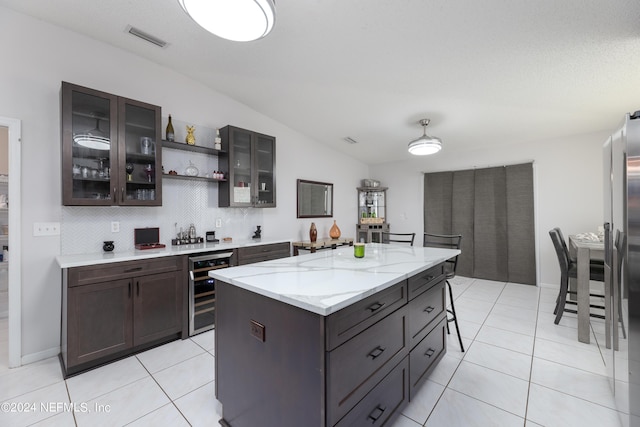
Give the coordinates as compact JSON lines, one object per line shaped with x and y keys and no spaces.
{"x":533,"y":352}
{"x":165,"y":393}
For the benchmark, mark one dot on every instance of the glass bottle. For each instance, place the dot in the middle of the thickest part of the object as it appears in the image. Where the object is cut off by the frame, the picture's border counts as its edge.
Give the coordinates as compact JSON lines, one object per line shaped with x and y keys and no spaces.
{"x":170,"y":133}
{"x":218,"y":142}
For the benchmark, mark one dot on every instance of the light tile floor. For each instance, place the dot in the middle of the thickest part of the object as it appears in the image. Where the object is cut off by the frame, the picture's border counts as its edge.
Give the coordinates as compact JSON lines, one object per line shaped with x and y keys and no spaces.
{"x":519,"y":370}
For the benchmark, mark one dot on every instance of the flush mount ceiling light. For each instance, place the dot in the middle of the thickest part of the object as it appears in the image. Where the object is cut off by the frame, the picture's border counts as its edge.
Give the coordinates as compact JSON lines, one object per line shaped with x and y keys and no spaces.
{"x":236,"y":20}
{"x":425,"y":144}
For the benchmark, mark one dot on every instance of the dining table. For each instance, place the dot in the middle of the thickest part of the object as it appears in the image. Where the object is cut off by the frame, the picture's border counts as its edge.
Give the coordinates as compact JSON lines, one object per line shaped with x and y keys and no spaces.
{"x":585,"y":251}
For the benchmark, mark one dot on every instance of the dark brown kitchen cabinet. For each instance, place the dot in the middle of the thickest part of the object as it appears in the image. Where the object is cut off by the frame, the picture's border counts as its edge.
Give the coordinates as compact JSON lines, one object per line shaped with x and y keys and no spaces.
{"x":109,"y":153}
{"x":99,"y":321}
{"x":259,"y":253}
{"x":112,"y":310}
{"x":250,"y":166}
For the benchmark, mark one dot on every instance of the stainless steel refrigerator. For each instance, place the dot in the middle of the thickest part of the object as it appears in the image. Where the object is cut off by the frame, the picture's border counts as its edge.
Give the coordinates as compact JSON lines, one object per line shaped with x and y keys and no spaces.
{"x":622,"y":212}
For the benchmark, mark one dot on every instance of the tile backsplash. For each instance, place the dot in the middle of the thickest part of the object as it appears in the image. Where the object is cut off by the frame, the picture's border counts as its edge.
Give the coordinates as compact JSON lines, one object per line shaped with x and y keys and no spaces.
{"x":184,"y":202}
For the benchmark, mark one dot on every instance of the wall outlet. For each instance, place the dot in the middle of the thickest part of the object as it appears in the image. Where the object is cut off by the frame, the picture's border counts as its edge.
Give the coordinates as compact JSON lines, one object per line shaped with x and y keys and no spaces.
{"x":115,"y":226}
{"x":46,"y":228}
{"x":219,"y":222}
{"x":256,"y":330}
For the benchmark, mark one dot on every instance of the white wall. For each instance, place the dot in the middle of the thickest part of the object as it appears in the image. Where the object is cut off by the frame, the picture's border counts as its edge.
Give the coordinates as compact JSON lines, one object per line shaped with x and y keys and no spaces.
{"x":568,"y":187}
{"x":38,"y":57}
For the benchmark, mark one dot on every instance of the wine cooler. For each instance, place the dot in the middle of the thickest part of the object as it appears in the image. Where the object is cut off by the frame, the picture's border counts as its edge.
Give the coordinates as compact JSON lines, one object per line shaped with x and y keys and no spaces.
{"x":202,"y":289}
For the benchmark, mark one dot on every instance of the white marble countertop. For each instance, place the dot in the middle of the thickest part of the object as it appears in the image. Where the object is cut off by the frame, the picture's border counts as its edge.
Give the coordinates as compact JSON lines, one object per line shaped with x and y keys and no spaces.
{"x":79,"y":260}
{"x":325,"y":282}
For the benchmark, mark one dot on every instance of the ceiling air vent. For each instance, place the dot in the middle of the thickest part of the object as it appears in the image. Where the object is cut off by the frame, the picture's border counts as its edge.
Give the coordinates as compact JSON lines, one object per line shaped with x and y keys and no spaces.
{"x":145,"y":36}
{"x":350,"y":140}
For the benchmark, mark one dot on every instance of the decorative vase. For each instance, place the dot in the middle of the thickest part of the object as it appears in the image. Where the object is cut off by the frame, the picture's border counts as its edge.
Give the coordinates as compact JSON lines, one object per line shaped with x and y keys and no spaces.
{"x":107,"y":245}
{"x":313,"y":232}
{"x":334,"y":233}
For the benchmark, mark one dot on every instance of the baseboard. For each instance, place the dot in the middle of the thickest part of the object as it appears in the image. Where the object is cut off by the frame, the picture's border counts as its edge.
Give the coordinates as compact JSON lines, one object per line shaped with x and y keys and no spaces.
{"x":41,"y":355}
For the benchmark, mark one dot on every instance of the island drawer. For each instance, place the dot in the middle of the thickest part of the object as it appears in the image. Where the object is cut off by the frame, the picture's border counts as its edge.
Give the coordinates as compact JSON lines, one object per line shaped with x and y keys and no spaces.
{"x":383,"y":401}
{"x":252,"y":254}
{"x":79,"y":276}
{"x":423,"y":310}
{"x":350,"y":321}
{"x":421,"y":282}
{"x":425,"y":355}
{"x":357,"y":365}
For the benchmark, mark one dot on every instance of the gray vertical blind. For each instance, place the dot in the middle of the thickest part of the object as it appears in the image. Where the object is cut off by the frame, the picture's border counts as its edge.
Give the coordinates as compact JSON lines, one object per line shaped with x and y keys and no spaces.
{"x":492,"y":209}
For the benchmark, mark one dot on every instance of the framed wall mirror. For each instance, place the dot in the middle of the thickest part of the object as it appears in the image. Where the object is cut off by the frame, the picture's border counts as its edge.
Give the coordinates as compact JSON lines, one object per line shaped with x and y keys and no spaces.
{"x":315,"y":199}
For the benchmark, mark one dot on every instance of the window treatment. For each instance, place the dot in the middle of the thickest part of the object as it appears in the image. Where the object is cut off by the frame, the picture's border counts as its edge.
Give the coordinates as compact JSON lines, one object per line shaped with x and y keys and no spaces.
{"x":493,"y":210}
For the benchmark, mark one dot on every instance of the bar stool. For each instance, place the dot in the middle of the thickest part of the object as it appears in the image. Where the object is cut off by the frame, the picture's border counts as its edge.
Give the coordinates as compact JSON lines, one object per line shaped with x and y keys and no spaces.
{"x":398,"y":237}
{"x":449,"y":242}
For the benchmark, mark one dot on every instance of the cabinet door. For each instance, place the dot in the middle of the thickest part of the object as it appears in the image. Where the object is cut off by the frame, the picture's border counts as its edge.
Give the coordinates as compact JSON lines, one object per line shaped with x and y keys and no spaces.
{"x":250,"y":166}
{"x":139,"y":159}
{"x":265,"y":171}
{"x":89,"y":146}
{"x":240,"y":167}
{"x":99,"y":320}
{"x":157,"y":309}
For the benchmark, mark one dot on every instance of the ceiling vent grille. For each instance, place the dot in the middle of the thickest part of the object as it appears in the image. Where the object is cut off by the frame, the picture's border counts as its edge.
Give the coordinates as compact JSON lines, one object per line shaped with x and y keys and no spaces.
{"x":146,"y":36}
{"x":350,"y":140}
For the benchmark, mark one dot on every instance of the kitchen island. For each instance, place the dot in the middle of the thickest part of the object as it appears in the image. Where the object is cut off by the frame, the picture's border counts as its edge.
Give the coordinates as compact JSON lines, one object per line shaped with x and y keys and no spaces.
{"x":327,"y":339}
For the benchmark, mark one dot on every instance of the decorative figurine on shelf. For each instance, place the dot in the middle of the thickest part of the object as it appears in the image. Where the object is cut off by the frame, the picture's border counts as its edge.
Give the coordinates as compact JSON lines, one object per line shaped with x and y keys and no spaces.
{"x":191,"y":138}
{"x":107,"y":245}
{"x":218,"y":142}
{"x":313,"y":233}
{"x":256,"y":234}
{"x":334,"y":233}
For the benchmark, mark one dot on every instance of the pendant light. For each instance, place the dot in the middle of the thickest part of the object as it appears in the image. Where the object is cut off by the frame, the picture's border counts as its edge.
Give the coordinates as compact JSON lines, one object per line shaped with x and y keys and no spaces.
{"x":236,"y":20}
{"x":425,"y":144}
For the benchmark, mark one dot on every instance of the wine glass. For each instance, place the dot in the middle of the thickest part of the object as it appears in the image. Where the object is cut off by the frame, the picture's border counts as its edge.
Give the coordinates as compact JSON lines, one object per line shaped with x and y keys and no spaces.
{"x":149,"y":170}
{"x":129,"y":169}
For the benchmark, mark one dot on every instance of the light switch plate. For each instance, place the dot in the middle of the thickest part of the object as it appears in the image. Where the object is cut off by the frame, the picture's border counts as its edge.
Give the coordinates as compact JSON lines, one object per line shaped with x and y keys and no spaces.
{"x":46,"y":229}
{"x":219,"y":222}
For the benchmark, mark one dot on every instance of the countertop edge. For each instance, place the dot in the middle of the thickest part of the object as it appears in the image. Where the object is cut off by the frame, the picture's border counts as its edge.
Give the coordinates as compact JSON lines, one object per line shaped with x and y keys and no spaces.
{"x":81,"y":260}
{"x":328,"y":310}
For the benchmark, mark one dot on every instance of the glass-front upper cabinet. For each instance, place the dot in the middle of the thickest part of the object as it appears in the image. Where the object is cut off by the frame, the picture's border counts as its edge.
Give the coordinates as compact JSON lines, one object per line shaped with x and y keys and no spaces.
{"x":250,"y":167}
{"x":108,"y":149}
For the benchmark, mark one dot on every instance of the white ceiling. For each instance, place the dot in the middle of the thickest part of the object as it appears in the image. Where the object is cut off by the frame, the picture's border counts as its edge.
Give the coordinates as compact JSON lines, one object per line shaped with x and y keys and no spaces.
{"x":488,"y":73}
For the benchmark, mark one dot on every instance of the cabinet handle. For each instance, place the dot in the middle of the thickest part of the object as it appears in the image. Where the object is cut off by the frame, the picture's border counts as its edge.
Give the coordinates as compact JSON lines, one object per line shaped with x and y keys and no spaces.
{"x":429,"y":309}
{"x":115,"y":192}
{"x":376,"y":413}
{"x":376,"y":352}
{"x":430,"y":352}
{"x":191,"y":275}
{"x":137,"y":288}
{"x":375,"y":306}
{"x":131,"y":270}
{"x":122,"y":194}
{"x":428,"y":278}
{"x":129,"y":289}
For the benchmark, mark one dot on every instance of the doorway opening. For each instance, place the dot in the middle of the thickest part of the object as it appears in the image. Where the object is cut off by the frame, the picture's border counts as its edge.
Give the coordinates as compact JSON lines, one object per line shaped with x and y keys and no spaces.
{"x":10,"y":267}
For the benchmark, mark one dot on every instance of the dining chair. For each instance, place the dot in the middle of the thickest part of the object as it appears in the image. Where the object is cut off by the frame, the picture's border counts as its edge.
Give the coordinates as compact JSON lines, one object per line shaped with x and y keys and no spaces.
{"x":398,"y":237}
{"x":568,"y":269}
{"x":448,"y":241}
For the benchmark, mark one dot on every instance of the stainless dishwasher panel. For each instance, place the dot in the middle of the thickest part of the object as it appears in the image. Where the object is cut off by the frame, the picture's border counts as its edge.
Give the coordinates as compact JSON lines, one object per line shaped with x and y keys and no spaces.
{"x":202,"y":289}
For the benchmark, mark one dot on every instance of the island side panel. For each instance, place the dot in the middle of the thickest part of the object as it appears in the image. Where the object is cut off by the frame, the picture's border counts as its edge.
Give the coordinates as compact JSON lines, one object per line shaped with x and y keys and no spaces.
{"x":269,"y":361}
